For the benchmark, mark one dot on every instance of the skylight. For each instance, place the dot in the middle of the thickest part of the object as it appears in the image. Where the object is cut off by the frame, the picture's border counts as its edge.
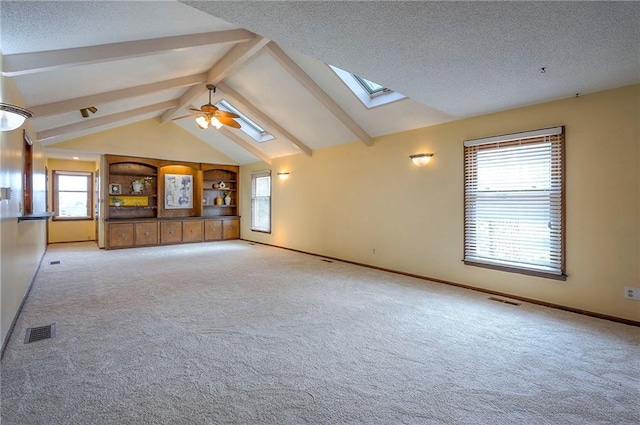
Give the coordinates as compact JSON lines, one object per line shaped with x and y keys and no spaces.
{"x":370,"y":94}
{"x":250,"y":127}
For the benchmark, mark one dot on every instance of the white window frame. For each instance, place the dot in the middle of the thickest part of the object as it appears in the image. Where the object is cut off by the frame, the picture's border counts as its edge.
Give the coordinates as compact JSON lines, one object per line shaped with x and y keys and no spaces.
{"x":513,"y":223}
{"x":368,"y":99}
{"x":255,"y":199}
{"x":56,"y":191}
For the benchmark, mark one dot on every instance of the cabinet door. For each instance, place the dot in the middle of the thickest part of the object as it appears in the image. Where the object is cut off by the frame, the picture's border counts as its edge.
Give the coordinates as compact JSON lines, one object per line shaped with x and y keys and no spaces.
{"x":212,"y":230}
{"x":146,"y":233}
{"x":170,"y":232}
{"x":231,"y":228}
{"x":192,"y":231}
{"x":120,"y":235}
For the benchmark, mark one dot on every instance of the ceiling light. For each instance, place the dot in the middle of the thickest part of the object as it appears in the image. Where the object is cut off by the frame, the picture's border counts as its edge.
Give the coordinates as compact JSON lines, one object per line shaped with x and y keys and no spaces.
{"x":421,"y":159}
{"x":85,"y":111}
{"x":12,"y":117}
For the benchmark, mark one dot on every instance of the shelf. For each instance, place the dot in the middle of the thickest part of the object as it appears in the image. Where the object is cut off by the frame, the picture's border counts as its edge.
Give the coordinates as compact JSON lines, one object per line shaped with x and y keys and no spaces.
{"x":221,"y":190}
{"x":120,"y":173}
{"x":139,"y":195}
{"x":221,"y":206}
{"x":129,"y":207}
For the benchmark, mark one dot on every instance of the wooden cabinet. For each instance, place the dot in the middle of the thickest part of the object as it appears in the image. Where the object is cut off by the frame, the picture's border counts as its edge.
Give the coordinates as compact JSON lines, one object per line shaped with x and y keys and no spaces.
{"x":212,"y":230}
{"x":146,"y":233}
{"x":120,"y":235}
{"x":231,"y":228}
{"x":170,"y":232}
{"x":192,"y":231}
{"x":135,"y":213}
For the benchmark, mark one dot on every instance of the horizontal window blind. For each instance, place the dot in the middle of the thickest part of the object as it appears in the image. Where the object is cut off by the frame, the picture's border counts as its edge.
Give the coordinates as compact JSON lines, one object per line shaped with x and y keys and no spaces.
{"x":514,"y":201}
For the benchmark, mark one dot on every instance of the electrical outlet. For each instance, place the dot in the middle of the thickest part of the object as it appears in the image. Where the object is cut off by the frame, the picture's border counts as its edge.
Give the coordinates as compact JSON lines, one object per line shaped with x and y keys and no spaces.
{"x":632,"y":293}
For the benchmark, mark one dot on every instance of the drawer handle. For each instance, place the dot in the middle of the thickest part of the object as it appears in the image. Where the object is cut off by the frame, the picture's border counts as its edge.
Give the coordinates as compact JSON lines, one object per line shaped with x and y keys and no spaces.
{"x":146,"y":233}
{"x":122,"y":235}
{"x":171,"y":232}
{"x":191,"y":230}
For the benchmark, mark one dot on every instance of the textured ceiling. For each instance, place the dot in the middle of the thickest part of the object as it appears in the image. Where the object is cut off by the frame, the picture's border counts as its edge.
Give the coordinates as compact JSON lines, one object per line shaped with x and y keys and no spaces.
{"x":463,"y":58}
{"x":452,"y":59}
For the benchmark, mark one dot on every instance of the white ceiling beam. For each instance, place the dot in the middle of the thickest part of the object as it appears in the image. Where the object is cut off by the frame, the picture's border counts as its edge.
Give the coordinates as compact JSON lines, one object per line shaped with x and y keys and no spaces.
{"x":237,"y":139}
{"x":112,"y":96}
{"x":28,"y":63}
{"x":47,"y":136}
{"x":240,"y":102}
{"x":303,"y":78}
{"x":229,"y":63}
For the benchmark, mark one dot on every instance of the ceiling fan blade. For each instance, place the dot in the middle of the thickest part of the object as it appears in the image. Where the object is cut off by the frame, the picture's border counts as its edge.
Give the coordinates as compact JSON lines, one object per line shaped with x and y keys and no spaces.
{"x":221,"y":113}
{"x":186,"y":116}
{"x":194,"y":110}
{"x":228,"y":121}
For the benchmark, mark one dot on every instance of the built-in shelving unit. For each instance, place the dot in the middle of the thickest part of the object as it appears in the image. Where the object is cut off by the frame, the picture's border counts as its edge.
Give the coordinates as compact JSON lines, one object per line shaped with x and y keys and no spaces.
{"x":137,"y":216}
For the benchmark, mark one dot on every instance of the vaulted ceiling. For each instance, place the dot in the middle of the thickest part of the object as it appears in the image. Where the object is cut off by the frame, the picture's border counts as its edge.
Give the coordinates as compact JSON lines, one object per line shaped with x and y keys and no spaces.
{"x":140,"y":60}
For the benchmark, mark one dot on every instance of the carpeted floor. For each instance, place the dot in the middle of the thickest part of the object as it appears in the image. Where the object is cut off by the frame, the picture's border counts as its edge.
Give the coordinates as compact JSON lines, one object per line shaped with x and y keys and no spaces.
{"x":235,"y":333}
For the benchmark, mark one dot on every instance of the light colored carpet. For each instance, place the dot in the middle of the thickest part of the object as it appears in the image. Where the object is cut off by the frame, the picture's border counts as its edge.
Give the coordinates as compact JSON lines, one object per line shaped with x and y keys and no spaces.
{"x":234,"y":333}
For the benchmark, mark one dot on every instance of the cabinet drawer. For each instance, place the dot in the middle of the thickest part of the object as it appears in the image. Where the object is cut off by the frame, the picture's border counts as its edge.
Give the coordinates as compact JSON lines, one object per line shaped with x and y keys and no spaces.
{"x":212,"y":230}
{"x":192,"y":231}
{"x":171,"y":232}
{"x":146,"y":233}
{"x":120,"y":235}
{"x":231,"y":228}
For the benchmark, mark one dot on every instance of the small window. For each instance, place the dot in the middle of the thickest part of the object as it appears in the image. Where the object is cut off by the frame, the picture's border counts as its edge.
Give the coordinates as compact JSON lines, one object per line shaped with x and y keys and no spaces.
{"x":261,"y":201}
{"x":72,"y":195}
{"x":514,"y":203}
{"x":247,"y":125}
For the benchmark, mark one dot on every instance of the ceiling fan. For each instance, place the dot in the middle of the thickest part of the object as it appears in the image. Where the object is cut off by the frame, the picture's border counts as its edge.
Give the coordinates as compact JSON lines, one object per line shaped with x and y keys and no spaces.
{"x":211,"y":116}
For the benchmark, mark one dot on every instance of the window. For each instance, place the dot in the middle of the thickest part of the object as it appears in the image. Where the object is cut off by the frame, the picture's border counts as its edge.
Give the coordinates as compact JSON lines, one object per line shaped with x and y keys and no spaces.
{"x":370,"y":94}
{"x":72,"y":195}
{"x":252,"y":129}
{"x":261,"y":201}
{"x":514,"y":202}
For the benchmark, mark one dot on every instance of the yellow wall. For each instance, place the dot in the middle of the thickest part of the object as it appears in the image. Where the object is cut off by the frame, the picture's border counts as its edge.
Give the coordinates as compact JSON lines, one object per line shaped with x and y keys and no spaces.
{"x":348,"y":200}
{"x":76,"y":230}
{"x":22,"y":244}
{"x":148,"y":139}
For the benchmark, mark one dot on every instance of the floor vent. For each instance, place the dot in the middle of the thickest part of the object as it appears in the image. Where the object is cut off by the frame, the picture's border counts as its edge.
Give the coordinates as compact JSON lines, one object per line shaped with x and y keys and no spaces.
{"x":40,"y":333}
{"x":55,"y":262}
{"x":501,"y":300}
{"x":327,"y":261}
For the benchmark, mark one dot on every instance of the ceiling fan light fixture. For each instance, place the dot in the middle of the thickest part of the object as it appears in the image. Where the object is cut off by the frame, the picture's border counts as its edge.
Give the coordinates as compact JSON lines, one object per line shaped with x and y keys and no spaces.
{"x":215,"y":122}
{"x":202,"y":122}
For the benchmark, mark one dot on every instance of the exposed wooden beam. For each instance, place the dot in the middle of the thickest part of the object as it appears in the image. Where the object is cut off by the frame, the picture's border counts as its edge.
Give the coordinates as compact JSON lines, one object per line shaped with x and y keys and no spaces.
{"x":303,"y":78}
{"x":101,"y":98}
{"x":239,"y":101}
{"x":54,"y":133}
{"x":28,"y":63}
{"x":237,"y":139}
{"x":229,"y":63}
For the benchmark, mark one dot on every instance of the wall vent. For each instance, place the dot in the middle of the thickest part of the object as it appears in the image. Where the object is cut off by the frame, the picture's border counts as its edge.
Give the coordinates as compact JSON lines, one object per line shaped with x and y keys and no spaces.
{"x":55,"y":262}
{"x":40,"y":333}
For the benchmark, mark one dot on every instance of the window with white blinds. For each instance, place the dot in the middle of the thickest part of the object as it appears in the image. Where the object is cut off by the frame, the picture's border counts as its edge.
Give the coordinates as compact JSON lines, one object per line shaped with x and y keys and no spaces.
{"x":261,"y":201}
{"x":514,"y":202}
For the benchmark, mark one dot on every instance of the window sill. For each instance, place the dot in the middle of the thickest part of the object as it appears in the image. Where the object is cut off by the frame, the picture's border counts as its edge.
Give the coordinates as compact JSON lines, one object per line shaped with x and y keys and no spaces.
{"x":261,"y":231}
{"x":535,"y":273}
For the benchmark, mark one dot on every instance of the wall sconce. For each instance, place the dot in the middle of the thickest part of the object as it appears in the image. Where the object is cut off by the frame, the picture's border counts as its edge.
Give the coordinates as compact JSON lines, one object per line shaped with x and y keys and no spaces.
{"x":12,"y":117}
{"x":283,"y":175}
{"x":421,"y":159}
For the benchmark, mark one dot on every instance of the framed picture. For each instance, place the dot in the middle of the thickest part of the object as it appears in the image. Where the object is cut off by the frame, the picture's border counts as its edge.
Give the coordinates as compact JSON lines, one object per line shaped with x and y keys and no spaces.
{"x":178,"y":191}
{"x":115,"y":189}
{"x":205,"y":201}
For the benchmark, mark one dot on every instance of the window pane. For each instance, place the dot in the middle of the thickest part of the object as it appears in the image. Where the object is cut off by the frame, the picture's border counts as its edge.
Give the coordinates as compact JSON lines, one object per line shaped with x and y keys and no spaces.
{"x":72,"y":204}
{"x":73,"y":183}
{"x":263,"y":186}
{"x":261,"y":214}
